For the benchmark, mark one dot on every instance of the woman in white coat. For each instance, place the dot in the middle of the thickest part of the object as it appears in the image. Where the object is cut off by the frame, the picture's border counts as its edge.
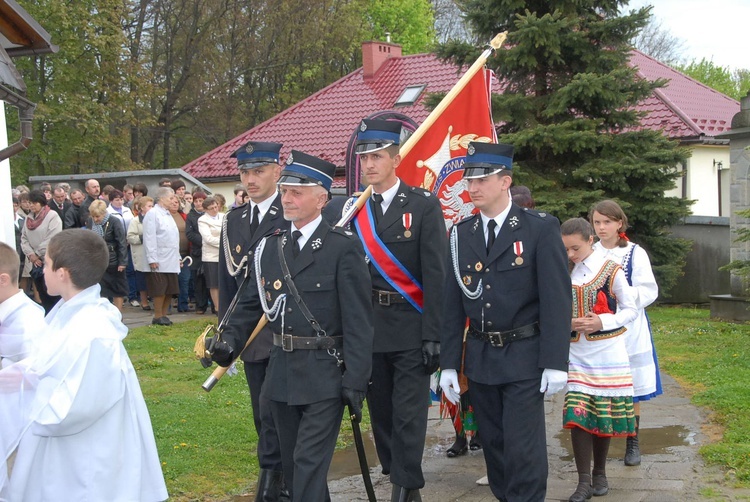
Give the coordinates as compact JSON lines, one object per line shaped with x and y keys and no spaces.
{"x":209,"y":226}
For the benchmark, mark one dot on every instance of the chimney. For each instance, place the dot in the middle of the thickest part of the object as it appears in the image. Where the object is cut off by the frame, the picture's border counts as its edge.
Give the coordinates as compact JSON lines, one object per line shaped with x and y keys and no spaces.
{"x":374,"y":54}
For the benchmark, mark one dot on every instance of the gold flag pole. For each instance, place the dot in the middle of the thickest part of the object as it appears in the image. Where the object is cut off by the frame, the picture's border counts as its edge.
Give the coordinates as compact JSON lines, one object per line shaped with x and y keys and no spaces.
{"x":495,"y":44}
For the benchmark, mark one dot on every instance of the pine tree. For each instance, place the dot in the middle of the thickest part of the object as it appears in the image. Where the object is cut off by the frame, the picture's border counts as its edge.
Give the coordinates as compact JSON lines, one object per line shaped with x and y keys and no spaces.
{"x":568,"y":107}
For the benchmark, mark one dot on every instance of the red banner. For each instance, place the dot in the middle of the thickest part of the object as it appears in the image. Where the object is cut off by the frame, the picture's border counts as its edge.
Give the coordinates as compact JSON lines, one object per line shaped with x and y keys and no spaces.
{"x":436,"y":161}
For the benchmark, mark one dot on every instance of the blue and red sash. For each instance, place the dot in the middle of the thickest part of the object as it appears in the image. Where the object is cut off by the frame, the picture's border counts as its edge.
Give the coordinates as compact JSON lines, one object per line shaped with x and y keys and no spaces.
{"x":388,"y":265}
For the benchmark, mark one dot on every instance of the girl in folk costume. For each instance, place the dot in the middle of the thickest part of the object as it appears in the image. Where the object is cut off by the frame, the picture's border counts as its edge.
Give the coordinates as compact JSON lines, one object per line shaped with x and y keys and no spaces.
{"x":599,"y":399}
{"x":610,"y":223}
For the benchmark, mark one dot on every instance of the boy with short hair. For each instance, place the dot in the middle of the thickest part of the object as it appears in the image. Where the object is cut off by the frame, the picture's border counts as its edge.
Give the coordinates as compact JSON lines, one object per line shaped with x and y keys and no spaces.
{"x":21,"y":319}
{"x":80,"y":422}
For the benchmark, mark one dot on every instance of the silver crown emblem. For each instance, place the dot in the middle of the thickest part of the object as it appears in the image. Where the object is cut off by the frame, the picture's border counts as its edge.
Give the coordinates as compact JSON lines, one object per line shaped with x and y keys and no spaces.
{"x":471,"y":150}
{"x":363,"y":127}
{"x":289,"y":160}
{"x":249,"y":149}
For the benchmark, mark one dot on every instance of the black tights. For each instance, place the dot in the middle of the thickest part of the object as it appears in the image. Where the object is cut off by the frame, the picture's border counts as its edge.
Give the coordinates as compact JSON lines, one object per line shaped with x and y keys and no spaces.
{"x":584,"y":445}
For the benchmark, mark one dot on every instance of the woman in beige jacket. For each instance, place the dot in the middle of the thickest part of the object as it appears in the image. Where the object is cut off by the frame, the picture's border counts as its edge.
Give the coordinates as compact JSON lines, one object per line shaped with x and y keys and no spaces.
{"x":209,"y":226}
{"x":135,"y":238}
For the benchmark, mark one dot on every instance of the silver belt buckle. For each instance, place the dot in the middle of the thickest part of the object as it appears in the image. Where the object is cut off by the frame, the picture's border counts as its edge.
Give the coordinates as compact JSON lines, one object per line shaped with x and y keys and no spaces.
{"x":387,"y":296}
{"x":496,"y":339}
{"x":286,"y":343}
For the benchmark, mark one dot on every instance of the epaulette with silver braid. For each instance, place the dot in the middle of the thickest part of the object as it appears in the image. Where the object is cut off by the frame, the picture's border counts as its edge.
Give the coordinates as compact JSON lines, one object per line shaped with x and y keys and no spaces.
{"x":471,"y":295}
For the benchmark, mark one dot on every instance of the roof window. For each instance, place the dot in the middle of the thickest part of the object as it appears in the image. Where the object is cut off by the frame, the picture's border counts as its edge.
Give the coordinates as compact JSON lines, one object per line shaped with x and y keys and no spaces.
{"x":410,"y":95}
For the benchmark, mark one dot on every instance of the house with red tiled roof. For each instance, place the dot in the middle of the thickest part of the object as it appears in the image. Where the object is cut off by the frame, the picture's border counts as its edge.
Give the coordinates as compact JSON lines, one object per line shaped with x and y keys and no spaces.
{"x":323,"y":123}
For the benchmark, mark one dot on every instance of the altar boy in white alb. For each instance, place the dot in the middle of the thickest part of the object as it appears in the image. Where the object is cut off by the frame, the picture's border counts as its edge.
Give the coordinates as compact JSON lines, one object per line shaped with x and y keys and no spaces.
{"x":21,"y":319}
{"x":74,"y":411}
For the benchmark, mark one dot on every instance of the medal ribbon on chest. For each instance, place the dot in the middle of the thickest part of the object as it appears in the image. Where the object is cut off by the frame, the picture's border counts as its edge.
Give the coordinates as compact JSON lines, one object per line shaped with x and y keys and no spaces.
{"x":406,"y":219}
{"x":518,"y":249}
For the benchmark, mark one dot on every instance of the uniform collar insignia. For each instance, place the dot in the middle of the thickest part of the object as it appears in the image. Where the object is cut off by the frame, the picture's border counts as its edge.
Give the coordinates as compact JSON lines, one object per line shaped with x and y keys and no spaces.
{"x":316,"y":243}
{"x":476,"y":224}
{"x":513,"y":221}
{"x":402,"y":195}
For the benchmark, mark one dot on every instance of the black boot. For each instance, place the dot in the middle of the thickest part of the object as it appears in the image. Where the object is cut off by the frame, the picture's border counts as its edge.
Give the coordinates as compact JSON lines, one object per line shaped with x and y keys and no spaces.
{"x":401,"y":494}
{"x":269,"y":486}
{"x":632,"y":449}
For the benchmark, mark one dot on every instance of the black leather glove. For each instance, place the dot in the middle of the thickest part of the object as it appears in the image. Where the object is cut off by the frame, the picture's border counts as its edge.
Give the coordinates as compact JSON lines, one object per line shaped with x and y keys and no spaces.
{"x":430,"y":356}
{"x":220,"y":351}
{"x":354,"y":399}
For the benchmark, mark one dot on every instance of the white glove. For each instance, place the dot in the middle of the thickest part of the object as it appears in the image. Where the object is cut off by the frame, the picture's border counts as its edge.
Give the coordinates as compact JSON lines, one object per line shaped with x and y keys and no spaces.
{"x":553,"y":381}
{"x":449,"y":384}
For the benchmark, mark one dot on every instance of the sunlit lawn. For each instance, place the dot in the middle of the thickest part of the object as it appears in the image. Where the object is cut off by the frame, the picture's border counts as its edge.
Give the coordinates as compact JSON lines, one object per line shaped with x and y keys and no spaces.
{"x":206,"y":441}
{"x":711,"y":359}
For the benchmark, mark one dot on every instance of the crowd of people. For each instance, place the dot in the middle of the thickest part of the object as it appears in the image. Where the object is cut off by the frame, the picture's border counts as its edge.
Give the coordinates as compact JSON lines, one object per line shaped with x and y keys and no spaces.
{"x":118,"y":217}
{"x":506,"y":307}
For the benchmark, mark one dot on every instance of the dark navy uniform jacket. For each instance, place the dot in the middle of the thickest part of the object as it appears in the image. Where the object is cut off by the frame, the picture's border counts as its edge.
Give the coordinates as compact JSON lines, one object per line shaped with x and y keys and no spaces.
{"x":516,"y":290}
{"x":238,"y":243}
{"x":421,"y":251}
{"x":331,"y":276}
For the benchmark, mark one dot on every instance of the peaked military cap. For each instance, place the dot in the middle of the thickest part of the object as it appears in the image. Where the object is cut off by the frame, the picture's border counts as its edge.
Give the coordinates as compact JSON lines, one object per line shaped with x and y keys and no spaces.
{"x":485,"y":159}
{"x":257,"y":154}
{"x":303,"y":169}
{"x":376,"y":134}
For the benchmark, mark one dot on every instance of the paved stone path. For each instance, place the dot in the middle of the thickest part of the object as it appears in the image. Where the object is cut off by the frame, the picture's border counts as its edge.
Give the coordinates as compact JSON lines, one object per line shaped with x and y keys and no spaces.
{"x":671,"y":470}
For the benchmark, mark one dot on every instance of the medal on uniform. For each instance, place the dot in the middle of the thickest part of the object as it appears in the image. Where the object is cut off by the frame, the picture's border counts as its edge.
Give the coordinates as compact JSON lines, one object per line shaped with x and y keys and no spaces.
{"x":406,"y":219}
{"x":238,"y":248}
{"x":518,"y":249}
{"x":478,"y":266}
{"x":277,"y":284}
{"x":466,"y":280}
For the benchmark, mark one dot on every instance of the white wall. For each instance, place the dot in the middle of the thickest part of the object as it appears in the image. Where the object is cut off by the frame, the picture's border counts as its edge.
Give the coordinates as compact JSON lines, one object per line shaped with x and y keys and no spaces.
{"x":7,"y":217}
{"x":703,"y":180}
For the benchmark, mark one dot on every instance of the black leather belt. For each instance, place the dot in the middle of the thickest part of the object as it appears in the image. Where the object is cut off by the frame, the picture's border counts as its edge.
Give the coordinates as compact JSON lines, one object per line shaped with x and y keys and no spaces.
{"x":387,"y":298}
{"x":502,"y":338}
{"x":289,"y":343}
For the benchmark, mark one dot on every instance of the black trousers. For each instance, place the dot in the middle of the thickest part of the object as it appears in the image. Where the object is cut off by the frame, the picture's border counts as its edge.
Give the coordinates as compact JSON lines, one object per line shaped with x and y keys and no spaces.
{"x":307,"y":435}
{"x":511,"y":418}
{"x":269,"y":451}
{"x":201,"y":291}
{"x":398,"y":400}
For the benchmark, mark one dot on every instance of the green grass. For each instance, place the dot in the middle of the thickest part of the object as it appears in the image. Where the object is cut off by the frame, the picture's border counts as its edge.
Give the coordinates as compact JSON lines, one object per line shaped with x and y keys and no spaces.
{"x":711,"y":359}
{"x":206,"y":440}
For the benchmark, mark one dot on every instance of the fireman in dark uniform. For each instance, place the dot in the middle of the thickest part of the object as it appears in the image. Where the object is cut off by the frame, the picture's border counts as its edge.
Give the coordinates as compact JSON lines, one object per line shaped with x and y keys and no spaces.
{"x":508,"y":274}
{"x":243,"y":228}
{"x":320,"y":314}
{"x":405,"y":240}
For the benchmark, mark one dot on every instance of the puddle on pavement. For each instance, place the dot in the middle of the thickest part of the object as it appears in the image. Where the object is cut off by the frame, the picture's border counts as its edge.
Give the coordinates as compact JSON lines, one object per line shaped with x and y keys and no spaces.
{"x":652,"y":441}
{"x":345,"y":462}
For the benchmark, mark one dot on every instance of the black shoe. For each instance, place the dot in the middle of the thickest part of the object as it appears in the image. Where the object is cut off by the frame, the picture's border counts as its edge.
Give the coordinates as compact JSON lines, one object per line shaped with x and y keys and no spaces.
{"x":160,"y":321}
{"x":583,"y":492}
{"x":401,"y":494}
{"x":600,"y":485}
{"x":167,"y":321}
{"x":269,"y":486}
{"x":458,"y":448}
